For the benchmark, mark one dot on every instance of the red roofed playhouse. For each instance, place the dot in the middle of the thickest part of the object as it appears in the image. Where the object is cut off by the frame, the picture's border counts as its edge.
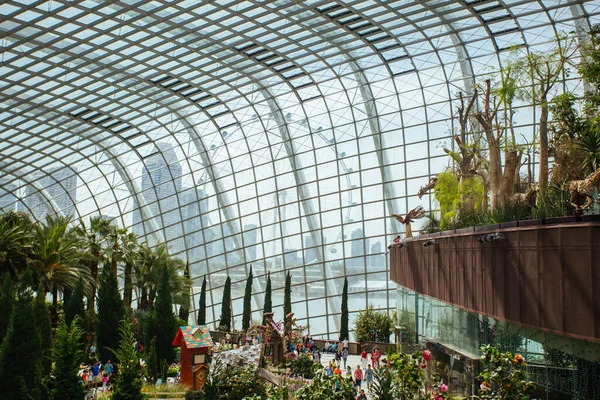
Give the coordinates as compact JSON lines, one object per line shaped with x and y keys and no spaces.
{"x":196,"y":343}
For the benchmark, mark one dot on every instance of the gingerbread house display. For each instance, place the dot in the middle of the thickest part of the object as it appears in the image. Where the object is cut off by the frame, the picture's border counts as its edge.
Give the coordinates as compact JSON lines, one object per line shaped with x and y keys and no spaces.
{"x":196,"y":344}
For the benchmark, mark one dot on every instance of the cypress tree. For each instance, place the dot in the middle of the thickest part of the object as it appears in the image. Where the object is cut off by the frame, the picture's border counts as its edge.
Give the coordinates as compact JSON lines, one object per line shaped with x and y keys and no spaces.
{"x":41,"y":313}
{"x":151,"y":364}
{"x":162,"y":323}
{"x":110,"y":313}
{"x":247,"y":315}
{"x":225,"y":322}
{"x":128,"y":382}
{"x":268,"y":303}
{"x":344,"y":320}
{"x":20,"y":375}
{"x":202,"y":304}
{"x":287,"y":304}
{"x":75,"y":306}
{"x":164,"y":371}
{"x":7,"y":299}
{"x":184,"y":309}
{"x":287,"y":295}
{"x":67,"y":358}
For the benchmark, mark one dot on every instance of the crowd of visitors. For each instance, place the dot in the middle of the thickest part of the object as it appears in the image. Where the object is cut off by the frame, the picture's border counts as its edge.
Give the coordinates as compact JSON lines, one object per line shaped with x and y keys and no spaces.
{"x":362,"y":376}
{"x":95,"y":376}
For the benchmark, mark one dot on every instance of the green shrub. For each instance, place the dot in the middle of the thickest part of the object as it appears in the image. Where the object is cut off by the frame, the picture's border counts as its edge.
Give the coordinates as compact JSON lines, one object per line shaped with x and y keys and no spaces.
{"x":373,"y":326}
{"x":302,"y":366}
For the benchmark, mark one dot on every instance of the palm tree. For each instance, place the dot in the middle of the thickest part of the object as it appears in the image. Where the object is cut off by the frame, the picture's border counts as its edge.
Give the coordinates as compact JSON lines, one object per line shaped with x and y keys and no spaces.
{"x":129,"y":249}
{"x":94,"y":239}
{"x":56,"y":258}
{"x":15,"y":242}
{"x":147,"y":275}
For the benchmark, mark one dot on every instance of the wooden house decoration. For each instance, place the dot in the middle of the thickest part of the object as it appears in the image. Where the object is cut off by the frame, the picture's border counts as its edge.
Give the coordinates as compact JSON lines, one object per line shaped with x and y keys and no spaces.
{"x":196,"y":344}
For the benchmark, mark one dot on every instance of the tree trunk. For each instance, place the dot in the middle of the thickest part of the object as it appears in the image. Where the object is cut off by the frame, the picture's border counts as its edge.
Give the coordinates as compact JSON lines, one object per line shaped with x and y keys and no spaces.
{"x":94,"y":272}
{"x":511,"y":164}
{"x":144,"y":299}
{"x":54,"y":314}
{"x":495,"y":173}
{"x":543,"y":132}
{"x":127,"y":286}
{"x":408,"y":231}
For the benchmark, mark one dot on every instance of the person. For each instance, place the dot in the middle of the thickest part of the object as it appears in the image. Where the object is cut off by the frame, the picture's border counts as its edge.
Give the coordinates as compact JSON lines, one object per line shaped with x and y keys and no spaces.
{"x":108,"y":368}
{"x":362,"y":395}
{"x":363,"y":359}
{"x":345,"y":343}
{"x":328,"y":370}
{"x":338,"y":355}
{"x":93,"y":350}
{"x":358,"y":377}
{"x":376,"y":355}
{"x":227,"y":338}
{"x":104,"y":381}
{"x":337,"y":371}
{"x":316,"y":355}
{"x":349,"y":373}
{"x":90,"y":379}
{"x":95,"y":372}
{"x":369,"y":377}
{"x":345,"y":356}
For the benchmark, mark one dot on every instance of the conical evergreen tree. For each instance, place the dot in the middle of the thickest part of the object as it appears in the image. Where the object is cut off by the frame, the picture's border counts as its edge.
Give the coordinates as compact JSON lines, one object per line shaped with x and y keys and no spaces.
{"x":164,"y":371}
{"x":20,"y":375}
{"x":110,"y":313}
{"x":7,"y":299}
{"x":202,"y":304}
{"x":67,"y":358}
{"x":41,"y":313}
{"x":268,"y":308}
{"x":75,"y":306}
{"x":287,"y":305}
{"x":128,"y":382}
{"x":225,"y":322}
{"x":344,"y":320}
{"x":151,"y":363}
{"x":162,"y":323}
{"x":184,"y":309}
{"x":247,"y":315}
{"x":287,"y":295}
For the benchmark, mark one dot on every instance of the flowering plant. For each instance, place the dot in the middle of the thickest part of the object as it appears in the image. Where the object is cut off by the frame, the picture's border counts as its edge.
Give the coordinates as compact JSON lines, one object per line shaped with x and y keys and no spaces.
{"x":503,"y":376}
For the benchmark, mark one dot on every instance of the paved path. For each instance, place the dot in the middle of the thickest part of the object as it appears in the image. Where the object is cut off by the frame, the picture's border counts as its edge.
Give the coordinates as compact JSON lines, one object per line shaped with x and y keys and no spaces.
{"x":353,"y":361}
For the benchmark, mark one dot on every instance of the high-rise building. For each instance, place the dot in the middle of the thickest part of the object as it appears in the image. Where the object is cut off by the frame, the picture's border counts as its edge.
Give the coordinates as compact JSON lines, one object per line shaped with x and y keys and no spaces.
{"x":8,"y":199}
{"x":161,"y":184}
{"x":60,"y":184}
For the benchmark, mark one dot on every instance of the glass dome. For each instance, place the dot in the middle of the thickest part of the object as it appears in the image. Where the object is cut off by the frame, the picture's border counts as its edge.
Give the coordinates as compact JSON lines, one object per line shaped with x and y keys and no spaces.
{"x":275,"y":134}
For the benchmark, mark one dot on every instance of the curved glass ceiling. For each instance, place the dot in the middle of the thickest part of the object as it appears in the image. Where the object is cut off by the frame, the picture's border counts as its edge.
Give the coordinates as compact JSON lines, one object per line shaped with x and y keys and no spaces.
{"x":273,"y":133}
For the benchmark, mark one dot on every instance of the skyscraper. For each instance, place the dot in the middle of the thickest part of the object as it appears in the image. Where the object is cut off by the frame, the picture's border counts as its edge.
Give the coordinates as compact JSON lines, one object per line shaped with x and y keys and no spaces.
{"x":8,"y":199}
{"x":60,"y":185}
{"x":161,"y":183}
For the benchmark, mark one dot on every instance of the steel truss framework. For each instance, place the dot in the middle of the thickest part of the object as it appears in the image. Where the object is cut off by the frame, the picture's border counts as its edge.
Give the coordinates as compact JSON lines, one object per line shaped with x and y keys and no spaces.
{"x":291,"y":129}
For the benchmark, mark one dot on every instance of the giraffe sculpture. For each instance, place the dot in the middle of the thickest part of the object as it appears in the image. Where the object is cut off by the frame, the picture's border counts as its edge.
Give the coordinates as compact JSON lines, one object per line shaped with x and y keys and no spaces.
{"x":581,"y":190}
{"x":424,"y":189}
{"x":415,"y":213}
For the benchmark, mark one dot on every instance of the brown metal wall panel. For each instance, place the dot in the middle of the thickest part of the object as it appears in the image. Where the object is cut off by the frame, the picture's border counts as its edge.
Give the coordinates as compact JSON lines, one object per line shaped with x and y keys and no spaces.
{"x":595,"y":258}
{"x":513,"y":285}
{"x":469,"y":284}
{"x":541,"y":275}
{"x":578,"y":301}
{"x":499,"y":280}
{"x":530,"y":286}
{"x":488,"y":279}
{"x":551,"y":280}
